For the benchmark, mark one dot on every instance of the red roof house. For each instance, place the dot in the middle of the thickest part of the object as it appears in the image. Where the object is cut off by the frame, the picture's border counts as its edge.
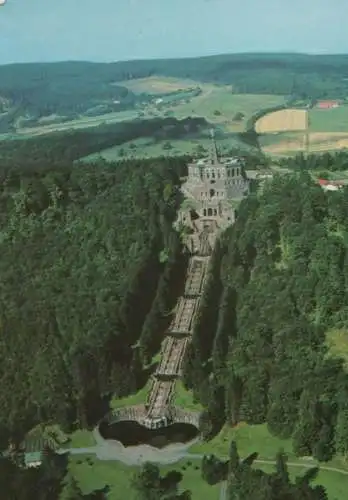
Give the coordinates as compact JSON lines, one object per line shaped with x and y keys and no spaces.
{"x":330,"y":185}
{"x":327,"y":104}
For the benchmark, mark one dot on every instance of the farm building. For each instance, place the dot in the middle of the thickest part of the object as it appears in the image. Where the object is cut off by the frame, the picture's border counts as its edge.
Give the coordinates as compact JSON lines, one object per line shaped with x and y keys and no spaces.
{"x":330,"y":185}
{"x":327,"y":104}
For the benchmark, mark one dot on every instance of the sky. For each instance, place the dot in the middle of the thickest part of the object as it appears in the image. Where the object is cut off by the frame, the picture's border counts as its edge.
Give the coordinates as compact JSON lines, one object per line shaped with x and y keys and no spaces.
{"x":113,"y":30}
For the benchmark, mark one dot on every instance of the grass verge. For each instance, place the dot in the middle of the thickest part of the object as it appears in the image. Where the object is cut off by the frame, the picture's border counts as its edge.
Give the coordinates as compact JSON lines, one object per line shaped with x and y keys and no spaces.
{"x":249,"y":438}
{"x":92,"y":474}
{"x":184,"y":398}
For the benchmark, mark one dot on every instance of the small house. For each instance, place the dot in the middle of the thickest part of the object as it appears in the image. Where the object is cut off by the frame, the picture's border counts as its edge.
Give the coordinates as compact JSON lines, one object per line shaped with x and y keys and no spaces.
{"x":34,"y":447}
{"x":33,"y":459}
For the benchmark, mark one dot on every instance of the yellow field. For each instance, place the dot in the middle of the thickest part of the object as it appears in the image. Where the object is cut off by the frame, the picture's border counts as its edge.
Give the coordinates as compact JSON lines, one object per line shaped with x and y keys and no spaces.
{"x":284,"y":120}
{"x":318,"y":141}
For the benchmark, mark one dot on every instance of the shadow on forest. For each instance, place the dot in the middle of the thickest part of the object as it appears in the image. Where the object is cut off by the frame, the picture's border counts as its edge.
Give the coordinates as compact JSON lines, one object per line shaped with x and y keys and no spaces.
{"x":170,"y":482}
{"x":147,"y":372}
{"x":131,"y":433}
{"x":216,"y":427}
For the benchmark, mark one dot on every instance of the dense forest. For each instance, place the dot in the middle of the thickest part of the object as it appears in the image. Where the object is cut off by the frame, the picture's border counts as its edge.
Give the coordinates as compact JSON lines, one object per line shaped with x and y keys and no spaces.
{"x":278,"y":283}
{"x":323,"y":164}
{"x":89,"y":265}
{"x":71,"y":88}
{"x":67,"y":89}
{"x":75,"y":144}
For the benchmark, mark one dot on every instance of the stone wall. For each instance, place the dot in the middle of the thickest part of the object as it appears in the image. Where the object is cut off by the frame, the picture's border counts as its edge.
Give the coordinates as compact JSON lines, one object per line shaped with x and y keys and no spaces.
{"x":137,"y":413}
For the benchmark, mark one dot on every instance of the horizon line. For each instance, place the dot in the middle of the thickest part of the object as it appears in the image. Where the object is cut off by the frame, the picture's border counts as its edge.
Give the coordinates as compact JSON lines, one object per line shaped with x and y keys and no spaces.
{"x":207,"y":56}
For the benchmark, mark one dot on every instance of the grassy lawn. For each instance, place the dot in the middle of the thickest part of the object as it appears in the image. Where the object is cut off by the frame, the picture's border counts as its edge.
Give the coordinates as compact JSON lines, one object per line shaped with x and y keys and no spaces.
{"x":336,"y":484}
{"x":249,"y":438}
{"x":228,"y":104}
{"x":184,"y":398}
{"x":92,"y":474}
{"x":81,"y":438}
{"x":96,"y":474}
{"x":193,"y":481}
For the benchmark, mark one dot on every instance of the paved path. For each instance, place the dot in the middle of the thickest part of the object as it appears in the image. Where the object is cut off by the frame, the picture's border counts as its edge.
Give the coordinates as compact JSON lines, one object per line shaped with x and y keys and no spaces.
{"x":178,"y":454}
{"x":223,"y":490}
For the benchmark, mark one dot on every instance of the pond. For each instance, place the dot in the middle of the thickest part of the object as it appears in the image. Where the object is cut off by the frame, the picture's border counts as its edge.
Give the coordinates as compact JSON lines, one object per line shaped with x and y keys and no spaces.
{"x":130,"y":433}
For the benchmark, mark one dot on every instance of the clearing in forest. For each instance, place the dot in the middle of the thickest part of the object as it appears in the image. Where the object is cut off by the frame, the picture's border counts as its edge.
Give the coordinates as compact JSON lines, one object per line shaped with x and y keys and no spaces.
{"x":337,"y":341}
{"x":92,"y":474}
{"x":146,"y":147}
{"x":282,"y":121}
{"x":159,"y":85}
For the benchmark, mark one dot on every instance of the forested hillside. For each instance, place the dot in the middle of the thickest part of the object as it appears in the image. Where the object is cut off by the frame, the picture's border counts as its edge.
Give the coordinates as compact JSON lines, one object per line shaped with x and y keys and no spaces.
{"x":278,"y":282}
{"x":67,"y":90}
{"x":86,"y":254}
{"x":69,"y":87}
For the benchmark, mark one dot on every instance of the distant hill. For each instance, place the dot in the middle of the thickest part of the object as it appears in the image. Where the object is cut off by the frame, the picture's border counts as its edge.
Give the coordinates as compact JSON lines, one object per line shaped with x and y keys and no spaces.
{"x":68,"y":89}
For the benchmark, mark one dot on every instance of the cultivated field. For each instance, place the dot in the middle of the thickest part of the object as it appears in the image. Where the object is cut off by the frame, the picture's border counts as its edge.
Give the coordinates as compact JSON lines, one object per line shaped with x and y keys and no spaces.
{"x":282,"y":120}
{"x":328,"y":130}
{"x":288,"y":143}
{"x":329,"y":120}
{"x":217,"y":104}
{"x":220,"y":106}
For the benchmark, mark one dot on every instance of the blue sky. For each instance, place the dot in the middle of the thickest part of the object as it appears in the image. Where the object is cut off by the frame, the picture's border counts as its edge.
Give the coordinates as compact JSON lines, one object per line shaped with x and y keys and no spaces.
{"x":111,"y":30}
